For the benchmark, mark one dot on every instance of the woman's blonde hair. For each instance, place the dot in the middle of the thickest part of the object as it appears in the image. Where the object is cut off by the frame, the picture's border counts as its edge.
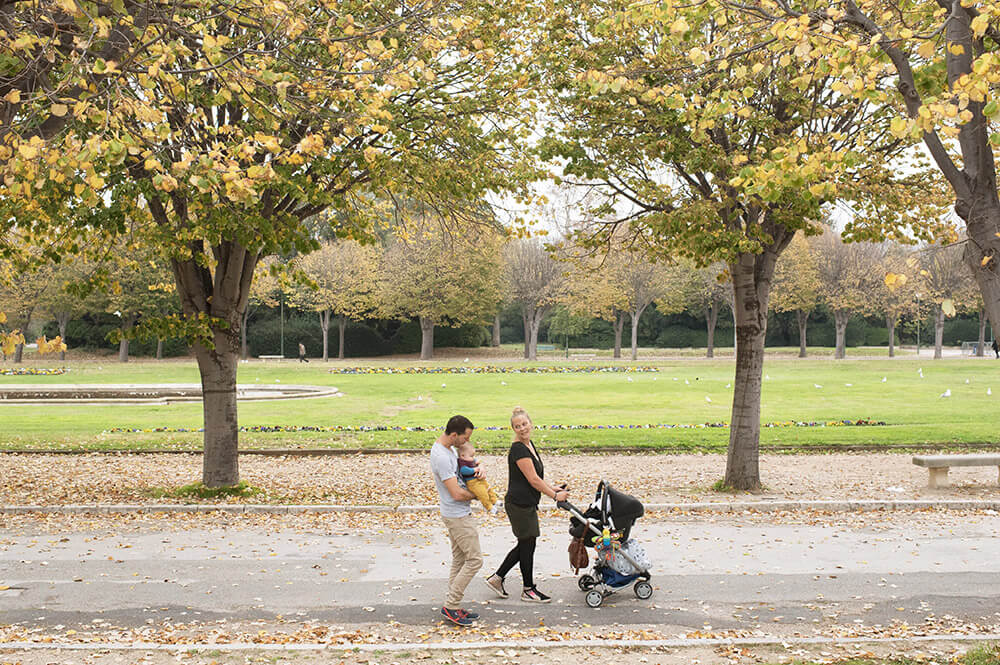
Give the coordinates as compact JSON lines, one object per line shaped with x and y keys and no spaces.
{"x":519,"y":411}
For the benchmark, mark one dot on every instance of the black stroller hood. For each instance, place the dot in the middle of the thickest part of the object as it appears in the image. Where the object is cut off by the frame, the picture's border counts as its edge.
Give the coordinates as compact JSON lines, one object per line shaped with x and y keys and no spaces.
{"x":624,"y":511}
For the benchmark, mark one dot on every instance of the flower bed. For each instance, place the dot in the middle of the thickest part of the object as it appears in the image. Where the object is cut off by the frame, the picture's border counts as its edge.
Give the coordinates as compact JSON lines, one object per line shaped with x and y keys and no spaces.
{"x":492,"y":369}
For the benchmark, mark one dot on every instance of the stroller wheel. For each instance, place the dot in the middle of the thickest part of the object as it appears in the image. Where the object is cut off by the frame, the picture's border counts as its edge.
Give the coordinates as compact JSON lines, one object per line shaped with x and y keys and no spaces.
{"x":586,"y":582}
{"x":643,"y":589}
{"x":594,"y":598}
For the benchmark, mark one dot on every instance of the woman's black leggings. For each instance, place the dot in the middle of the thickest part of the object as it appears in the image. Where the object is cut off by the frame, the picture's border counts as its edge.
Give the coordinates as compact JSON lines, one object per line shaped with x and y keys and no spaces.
{"x":523,"y":553}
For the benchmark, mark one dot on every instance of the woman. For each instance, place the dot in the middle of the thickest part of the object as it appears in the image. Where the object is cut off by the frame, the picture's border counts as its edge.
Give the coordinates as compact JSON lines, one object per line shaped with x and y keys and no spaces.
{"x":525,"y":486}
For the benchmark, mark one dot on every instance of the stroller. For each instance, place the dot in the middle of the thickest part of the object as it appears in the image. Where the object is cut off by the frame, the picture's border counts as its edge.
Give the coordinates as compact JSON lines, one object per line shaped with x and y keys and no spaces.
{"x":605,"y":526}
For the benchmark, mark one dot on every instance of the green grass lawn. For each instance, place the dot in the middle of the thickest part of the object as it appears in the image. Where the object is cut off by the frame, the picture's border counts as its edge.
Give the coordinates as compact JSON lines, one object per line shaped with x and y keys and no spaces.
{"x":676,"y":394}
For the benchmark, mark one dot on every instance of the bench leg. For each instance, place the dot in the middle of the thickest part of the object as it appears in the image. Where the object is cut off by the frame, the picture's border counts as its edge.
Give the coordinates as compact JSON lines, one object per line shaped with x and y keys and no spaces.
{"x":998,"y":475}
{"x":938,"y":477}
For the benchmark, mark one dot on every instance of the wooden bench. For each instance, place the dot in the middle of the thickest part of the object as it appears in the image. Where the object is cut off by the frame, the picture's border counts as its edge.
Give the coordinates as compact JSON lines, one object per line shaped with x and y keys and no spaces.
{"x":271,"y":357}
{"x":580,"y":356}
{"x":545,"y":347}
{"x":938,"y":465}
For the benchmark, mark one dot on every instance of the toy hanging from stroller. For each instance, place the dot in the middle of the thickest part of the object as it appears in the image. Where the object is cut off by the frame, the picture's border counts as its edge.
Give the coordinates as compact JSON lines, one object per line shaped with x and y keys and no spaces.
{"x":619,"y":560}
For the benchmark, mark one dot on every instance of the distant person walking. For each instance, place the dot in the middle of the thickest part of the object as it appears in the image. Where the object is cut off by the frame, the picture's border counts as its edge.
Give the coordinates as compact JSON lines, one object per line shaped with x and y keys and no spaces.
{"x":996,"y":347}
{"x":466,"y":556}
{"x":302,"y":353}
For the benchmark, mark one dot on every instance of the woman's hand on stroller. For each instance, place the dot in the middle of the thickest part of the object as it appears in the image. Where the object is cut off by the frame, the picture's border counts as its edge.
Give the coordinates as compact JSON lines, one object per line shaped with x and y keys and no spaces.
{"x":563,"y":490}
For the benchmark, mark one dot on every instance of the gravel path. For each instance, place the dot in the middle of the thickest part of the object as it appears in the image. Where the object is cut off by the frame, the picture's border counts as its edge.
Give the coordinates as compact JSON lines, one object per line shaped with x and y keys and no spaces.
{"x":404,"y":479}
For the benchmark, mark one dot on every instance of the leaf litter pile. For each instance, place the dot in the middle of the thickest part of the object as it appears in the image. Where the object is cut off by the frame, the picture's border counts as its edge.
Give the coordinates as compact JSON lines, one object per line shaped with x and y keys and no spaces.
{"x":393,"y":480}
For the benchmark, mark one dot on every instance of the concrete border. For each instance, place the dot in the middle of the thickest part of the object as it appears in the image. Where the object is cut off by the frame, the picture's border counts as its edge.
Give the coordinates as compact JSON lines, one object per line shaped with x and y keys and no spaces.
{"x":845,"y":506}
{"x":677,"y":643}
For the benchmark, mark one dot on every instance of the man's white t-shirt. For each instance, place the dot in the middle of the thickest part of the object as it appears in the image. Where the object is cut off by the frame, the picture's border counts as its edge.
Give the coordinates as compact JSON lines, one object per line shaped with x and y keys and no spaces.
{"x":444,"y":465}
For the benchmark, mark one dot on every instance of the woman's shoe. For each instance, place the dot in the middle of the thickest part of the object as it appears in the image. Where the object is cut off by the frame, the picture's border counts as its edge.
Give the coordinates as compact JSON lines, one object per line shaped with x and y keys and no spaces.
{"x":533,"y":595}
{"x":495,"y":582}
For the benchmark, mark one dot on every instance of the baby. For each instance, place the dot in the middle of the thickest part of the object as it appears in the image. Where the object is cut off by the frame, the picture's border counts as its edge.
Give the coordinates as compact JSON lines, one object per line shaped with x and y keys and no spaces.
{"x":467,"y":466}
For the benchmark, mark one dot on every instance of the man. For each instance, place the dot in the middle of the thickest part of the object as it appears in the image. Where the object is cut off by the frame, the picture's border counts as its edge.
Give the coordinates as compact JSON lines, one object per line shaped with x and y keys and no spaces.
{"x":456,"y":513}
{"x":996,"y":347}
{"x":302,"y":353}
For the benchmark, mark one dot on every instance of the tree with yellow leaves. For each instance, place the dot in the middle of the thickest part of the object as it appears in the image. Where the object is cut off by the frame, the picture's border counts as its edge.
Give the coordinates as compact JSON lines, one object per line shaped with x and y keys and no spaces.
{"x":440,"y":278}
{"x":945,"y":282}
{"x":934,"y":66}
{"x":235,"y":122}
{"x":714,"y":146}
{"x":797,"y":284}
{"x":343,"y":276}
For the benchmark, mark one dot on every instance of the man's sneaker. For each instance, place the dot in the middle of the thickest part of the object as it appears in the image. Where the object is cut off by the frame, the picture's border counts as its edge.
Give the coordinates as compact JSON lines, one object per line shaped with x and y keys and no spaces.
{"x":459,"y":617}
{"x":495,"y":582}
{"x":469,"y":614}
{"x":533,"y":595}
{"x":495,"y":509}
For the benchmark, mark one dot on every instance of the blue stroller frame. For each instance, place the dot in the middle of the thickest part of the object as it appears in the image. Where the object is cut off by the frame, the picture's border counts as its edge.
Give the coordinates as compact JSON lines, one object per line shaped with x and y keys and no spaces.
{"x":603,"y":580}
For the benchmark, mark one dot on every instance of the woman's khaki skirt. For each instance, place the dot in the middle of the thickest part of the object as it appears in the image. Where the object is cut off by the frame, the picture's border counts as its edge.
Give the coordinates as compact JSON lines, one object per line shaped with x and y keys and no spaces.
{"x":523,"y":520}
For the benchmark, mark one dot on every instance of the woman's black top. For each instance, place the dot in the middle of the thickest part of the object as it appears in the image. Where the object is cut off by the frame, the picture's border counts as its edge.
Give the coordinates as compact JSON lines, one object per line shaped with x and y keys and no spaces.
{"x":519,"y":490}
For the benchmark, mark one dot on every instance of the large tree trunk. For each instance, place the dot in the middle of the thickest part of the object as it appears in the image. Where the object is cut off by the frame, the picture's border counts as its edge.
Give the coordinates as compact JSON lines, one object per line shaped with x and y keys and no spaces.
{"x":18,"y":354}
{"x":980,"y":350}
{"x":222,"y":295}
{"x":711,"y":319}
{"x":532,"y":317}
{"x":619,"y":325}
{"x":938,"y":331}
{"x":220,"y":462}
{"x":751,"y":285}
{"x":890,"y":323}
{"x":495,"y":340}
{"x":159,"y":348}
{"x":802,"y":317}
{"x":62,"y":320}
{"x":342,"y":337}
{"x":426,"y":338}
{"x":840,"y":319}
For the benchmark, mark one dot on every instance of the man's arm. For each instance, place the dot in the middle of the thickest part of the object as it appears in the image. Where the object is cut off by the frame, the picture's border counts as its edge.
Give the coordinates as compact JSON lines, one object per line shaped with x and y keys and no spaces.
{"x":458,"y":493}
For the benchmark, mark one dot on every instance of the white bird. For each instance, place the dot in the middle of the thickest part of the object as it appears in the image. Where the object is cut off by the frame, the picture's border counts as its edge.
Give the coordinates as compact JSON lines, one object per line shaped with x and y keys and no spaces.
{"x":707,"y":398}
{"x":444,"y":385}
{"x":257,"y":379}
{"x":966,"y":380}
{"x":503,"y":383}
{"x":921,"y":372}
{"x":767,"y":376}
{"x":729,"y":385}
{"x":277,"y":380}
{"x":946,"y":393}
{"x":654,"y":378}
{"x":675,"y":378}
{"x":883,"y":379}
{"x":816,"y":385}
{"x":466,"y":360}
{"x":989,"y":391}
{"x":420,"y":397}
{"x":848,"y":384}
{"x":629,"y":379}
{"x":686,"y":382}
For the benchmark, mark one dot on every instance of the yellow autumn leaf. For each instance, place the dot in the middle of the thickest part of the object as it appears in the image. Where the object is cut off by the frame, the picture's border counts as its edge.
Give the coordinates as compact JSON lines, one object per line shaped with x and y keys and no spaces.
{"x":926,"y":50}
{"x":680,"y":26}
{"x":12,"y":97}
{"x":986,"y":259}
{"x":59,"y":110}
{"x":370,"y":154}
{"x":28,"y":151}
{"x":948,"y":307}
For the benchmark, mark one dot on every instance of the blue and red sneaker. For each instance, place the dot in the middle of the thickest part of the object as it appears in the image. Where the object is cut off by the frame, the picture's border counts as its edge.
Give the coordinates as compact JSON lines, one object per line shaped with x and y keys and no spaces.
{"x":457,"y":616}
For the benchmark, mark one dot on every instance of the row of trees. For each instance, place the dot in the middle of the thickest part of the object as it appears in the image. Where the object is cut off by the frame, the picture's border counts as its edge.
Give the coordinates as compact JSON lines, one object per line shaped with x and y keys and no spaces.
{"x":707,"y":130}
{"x":437,"y":279}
